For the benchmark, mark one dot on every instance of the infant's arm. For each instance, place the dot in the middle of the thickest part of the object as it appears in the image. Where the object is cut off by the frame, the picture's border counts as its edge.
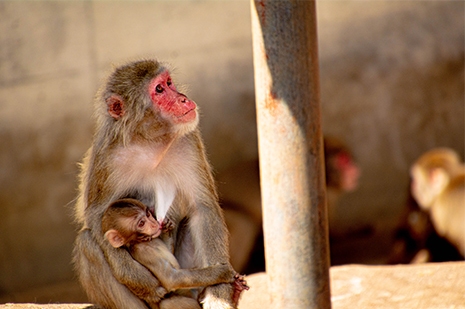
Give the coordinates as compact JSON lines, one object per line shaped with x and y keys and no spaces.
{"x":163,"y":264}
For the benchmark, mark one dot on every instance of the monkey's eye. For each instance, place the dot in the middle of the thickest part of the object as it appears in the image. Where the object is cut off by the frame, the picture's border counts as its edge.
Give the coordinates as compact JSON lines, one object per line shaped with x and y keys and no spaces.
{"x":159,"y":89}
{"x":169,"y":82}
{"x":141,"y":223}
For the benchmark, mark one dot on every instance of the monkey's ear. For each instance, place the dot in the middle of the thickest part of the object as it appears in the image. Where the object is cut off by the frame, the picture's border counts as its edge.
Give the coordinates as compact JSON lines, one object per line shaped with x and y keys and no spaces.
{"x":116,"y":107}
{"x":115,"y":238}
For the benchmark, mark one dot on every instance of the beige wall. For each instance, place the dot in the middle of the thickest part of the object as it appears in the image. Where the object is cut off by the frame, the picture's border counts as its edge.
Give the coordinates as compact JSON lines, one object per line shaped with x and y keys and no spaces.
{"x":392,"y":84}
{"x":391,"y":79}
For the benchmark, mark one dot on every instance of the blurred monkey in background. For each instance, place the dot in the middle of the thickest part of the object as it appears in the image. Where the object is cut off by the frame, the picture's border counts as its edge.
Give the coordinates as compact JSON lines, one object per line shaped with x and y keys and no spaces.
{"x":342,"y":176}
{"x":438,"y":186}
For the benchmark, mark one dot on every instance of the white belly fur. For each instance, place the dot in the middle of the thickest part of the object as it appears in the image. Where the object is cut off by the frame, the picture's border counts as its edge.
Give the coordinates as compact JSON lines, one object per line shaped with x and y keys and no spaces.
{"x":166,"y":191}
{"x":138,"y":167}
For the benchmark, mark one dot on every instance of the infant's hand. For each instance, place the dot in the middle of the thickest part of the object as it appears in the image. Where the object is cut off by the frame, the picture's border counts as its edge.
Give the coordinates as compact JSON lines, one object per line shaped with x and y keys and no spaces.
{"x":167,"y":225}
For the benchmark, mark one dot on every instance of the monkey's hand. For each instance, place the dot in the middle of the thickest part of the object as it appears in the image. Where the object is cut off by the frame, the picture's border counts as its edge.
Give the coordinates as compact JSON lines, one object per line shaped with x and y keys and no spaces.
{"x":239,"y":285}
{"x":224,"y":272}
{"x":167,"y":225}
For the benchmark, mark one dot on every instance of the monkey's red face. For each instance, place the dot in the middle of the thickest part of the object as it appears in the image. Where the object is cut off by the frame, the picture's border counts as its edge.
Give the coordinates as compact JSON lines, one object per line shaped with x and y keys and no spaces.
{"x":171,"y":103}
{"x":350,"y":172}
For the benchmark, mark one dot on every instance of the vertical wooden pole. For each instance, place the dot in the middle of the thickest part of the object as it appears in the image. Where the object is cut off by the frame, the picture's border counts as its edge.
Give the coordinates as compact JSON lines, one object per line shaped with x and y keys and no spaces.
{"x":291,"y":153}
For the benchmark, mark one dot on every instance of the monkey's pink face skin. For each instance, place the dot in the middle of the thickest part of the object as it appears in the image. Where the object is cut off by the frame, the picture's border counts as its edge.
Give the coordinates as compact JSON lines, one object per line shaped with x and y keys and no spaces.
{"x":171,"y":103}
{"x":350,"y":171}
{"x":148,"y":225}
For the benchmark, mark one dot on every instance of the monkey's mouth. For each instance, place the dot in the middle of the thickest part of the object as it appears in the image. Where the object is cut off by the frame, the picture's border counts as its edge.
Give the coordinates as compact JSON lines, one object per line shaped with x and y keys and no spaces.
{"x":186,"y":113}
{"x":155,"y":235}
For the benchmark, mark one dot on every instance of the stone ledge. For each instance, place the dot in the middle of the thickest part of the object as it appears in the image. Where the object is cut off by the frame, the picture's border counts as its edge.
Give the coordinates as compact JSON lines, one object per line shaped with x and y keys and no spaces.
{"x":425,"y":286}
{"x":47,"y":306}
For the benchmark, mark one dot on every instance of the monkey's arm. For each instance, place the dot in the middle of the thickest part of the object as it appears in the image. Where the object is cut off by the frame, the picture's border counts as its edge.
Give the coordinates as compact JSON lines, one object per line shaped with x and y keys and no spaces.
{"x":212,"y":250}
{"x":162,"y":263}
{"x":133,"y":275}
{"x":97,"y":278}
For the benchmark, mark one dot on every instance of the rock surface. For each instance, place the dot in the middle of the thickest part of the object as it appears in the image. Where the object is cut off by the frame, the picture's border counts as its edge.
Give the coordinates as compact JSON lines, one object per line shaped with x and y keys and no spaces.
{"x":47,"y":306}
{"x":425,"y":286}
{"x":438,"y":285}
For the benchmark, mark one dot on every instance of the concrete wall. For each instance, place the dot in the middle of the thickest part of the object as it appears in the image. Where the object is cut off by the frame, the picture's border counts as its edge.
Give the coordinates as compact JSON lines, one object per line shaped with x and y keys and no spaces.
{"x":391,"y":78}
{"x":392,"y":84}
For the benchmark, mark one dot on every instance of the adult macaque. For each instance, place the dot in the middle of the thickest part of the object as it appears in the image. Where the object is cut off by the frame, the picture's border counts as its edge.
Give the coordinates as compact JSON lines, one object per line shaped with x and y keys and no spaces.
{"x":147,"y":146}
{"x":239,"y":189}
{"x":342,"y":175}
{"x":129,"y":223}
{"x":342,"y":172}
{"x":438,"y":186}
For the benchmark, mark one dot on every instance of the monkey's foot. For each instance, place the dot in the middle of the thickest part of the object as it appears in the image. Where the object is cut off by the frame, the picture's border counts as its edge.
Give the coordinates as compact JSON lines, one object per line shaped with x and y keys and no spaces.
{"x":218,"y":297}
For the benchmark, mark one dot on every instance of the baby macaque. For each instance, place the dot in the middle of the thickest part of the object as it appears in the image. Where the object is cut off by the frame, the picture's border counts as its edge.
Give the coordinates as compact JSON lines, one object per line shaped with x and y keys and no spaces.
{"x":129,"y":223}
{"x":438,"y":186}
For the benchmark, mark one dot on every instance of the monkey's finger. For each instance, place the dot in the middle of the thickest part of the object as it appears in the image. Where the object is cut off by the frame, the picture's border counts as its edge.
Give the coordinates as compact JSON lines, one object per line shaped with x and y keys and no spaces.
{"x":244,"y":284}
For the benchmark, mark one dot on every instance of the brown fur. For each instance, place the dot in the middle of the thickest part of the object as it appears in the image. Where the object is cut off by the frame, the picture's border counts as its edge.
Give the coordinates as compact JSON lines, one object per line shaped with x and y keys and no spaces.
{"x":135,"y":156}
{"x":120,"y":218}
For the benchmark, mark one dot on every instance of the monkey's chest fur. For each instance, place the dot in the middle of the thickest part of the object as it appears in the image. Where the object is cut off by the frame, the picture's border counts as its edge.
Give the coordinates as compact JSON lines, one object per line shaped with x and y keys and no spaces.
{"x":156,"y":177}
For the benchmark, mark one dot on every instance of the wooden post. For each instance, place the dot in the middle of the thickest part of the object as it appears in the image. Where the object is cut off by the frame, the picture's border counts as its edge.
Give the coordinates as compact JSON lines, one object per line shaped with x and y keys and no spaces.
{"x":291,"y":153}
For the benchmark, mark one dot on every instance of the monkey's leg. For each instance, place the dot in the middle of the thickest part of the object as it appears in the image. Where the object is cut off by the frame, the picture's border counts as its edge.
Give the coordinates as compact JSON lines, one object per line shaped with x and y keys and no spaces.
{"x":97,"y":279}
{"x":136,"y":277}
{"x":218,"y":297}
{"x":210,"y":237}
{"x":179,"y":302}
